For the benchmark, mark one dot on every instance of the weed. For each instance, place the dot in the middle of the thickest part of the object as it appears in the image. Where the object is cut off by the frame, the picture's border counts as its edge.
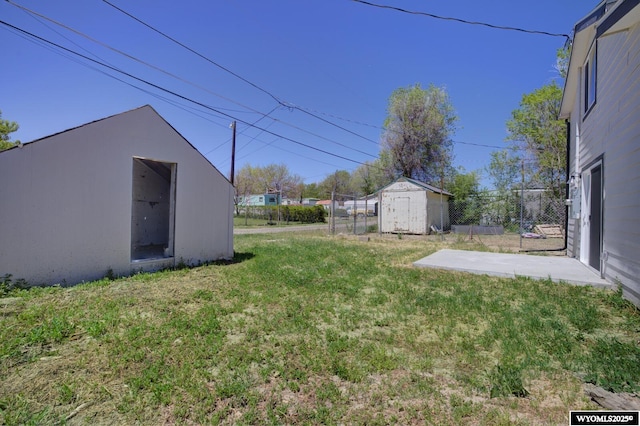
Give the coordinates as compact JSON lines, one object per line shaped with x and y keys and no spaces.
{"x":54,"y":330}
{"x":110,"y":275}
{"x":9,"y":286}
{"x":506,"y":380}
{"x":67,"y":393}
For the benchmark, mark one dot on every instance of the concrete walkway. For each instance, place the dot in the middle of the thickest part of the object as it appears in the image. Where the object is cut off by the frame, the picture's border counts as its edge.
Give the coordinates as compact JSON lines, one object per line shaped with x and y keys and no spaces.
{"x":510,"y":265}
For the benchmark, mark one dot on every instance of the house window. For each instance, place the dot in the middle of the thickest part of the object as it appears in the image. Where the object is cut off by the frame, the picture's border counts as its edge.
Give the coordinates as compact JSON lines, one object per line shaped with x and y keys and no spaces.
{"x":590,"y":78}
{"x":153,"y":209}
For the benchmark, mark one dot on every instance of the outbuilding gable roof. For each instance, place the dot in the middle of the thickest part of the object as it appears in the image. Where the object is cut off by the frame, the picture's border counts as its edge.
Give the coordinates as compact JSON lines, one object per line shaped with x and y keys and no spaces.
{"x":419,"y":184}
{"x":141,"y":108}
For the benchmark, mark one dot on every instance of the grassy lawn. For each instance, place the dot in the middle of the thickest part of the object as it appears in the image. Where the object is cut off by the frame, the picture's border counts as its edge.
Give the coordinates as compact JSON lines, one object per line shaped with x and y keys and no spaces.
{"x":242,"y":222}
{"x":316,"y":330}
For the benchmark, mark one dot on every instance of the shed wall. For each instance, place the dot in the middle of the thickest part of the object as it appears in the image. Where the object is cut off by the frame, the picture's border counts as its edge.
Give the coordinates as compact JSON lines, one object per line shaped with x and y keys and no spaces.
{"x":67,"y":216}
{"x":407,"y":208}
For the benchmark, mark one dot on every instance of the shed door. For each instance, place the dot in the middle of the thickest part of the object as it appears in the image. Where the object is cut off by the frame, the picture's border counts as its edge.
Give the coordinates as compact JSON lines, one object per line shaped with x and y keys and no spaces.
{"x":401,"y":206}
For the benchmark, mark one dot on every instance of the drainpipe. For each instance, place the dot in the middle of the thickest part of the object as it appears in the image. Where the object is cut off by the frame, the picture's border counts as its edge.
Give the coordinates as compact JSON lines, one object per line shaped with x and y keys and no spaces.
{"x":566,"y":209}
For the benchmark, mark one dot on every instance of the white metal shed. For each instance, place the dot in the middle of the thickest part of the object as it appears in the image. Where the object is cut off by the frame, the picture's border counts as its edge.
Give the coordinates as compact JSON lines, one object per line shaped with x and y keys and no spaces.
{"x":407,"y":206}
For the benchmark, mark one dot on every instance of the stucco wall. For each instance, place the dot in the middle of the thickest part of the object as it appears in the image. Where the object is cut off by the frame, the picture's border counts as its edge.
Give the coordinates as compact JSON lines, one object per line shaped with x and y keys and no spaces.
{"x":66,"y":215}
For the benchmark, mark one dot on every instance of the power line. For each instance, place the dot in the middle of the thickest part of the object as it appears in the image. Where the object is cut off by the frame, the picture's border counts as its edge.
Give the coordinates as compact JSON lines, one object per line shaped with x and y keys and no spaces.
{"x":464,"y":21}
{"x":274,"y":97}
{"x":333,"y":124}
{"x":183,"y":97}
{"x":194,"y":84}
{"x":252,"y":124}
{"x":386,"y":129}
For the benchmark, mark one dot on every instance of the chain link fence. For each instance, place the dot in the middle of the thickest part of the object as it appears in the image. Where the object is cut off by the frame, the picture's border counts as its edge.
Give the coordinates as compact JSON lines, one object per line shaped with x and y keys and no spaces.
{"x":535,"y":217}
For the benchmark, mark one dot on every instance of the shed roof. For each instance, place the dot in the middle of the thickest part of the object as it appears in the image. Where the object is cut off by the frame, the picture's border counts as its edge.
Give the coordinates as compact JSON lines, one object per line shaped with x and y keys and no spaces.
{"x":419,"y":184}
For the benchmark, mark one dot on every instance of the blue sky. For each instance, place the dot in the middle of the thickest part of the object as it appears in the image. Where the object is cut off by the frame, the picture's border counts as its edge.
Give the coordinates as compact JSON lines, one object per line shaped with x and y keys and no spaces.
{"x":336,"y":59}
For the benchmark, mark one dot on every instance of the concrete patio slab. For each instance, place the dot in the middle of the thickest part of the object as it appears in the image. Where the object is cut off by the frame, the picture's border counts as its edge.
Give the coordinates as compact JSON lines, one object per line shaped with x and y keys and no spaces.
{"x":511,"y":265}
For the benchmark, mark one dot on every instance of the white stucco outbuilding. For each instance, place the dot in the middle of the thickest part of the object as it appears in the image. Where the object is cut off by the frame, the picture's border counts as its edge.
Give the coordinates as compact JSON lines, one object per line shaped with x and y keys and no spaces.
{"x":407,"y":206}
{"x":118,"y":195}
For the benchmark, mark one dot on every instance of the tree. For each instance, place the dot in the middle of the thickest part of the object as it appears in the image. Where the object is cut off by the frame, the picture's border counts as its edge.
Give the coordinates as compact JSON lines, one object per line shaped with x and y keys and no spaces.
{"x":464,"y":185}
{"x":312,"y":190}
{"x":277,"y":178}
{"x":371,"y":176}
{"x":272,"y":178}
{"x":535,"y":129}
{"x":466,"y":206}
{"x":505,"y":172}
{"x":562,"y":61}
{"x":418,"y":132}
{"x":6,"y":128}
{"x":339,"y":183}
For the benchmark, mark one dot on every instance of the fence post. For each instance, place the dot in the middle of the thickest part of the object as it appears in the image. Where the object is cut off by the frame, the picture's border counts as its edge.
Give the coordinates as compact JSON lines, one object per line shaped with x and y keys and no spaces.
{"x":355,"y":215}
{"x":522,"y":204}
{"x":332,"y":223}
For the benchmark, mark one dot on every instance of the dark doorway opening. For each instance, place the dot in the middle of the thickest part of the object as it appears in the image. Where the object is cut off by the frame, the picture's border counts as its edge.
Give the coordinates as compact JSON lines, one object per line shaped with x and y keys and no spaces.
{"x":153,"y":209}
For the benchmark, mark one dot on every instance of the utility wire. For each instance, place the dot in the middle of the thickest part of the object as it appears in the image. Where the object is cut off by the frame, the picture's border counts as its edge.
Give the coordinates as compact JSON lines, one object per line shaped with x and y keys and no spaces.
{"x":194,"y":84}
{"x":183,"y":97}
{"x":274,"y":97}
{"x":331,"y":123}
{"x":252,"y":125}
{"x":464,"y":21}
{"x":386,"y":129}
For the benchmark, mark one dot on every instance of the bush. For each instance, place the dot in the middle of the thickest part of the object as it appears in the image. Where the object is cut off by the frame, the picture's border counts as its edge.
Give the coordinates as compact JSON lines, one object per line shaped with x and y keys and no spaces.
{"x":304,"y":214}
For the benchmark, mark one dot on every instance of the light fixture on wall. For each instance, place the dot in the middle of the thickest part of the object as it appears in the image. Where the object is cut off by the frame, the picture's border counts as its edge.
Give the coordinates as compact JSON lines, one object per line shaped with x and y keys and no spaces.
{"x":574,"y":180}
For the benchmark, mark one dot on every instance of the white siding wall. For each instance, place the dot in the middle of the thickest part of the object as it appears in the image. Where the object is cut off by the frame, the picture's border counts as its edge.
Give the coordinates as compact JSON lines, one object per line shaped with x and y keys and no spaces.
{"x":619,"y":103}
{"x":612,"y":129}
{"x":66,"y":214}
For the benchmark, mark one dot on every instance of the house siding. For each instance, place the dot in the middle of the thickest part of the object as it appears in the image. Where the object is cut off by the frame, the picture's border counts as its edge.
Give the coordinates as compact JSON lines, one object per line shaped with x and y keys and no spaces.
{"x":67,"y":216}
{"x":611,"y":131}
{"x":620,"y":112}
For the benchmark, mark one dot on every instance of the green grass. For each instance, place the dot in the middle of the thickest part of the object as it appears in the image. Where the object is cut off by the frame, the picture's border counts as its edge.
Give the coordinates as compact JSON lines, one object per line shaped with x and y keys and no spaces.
{"x":241,"y":222}
{"x":313,"y":330}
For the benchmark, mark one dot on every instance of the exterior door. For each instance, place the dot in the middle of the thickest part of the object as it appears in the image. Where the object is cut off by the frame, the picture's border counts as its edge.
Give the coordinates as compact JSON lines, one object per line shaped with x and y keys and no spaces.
{"x":591,"y":220}
{"x":595,"y":230}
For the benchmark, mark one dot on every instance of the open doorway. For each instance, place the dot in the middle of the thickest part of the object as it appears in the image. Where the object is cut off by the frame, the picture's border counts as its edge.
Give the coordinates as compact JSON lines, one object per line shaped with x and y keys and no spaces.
{"x":153,"y":209}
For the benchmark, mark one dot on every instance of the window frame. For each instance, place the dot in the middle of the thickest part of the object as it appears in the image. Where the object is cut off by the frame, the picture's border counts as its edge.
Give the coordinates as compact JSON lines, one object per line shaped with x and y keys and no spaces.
{"x":590,"y":80}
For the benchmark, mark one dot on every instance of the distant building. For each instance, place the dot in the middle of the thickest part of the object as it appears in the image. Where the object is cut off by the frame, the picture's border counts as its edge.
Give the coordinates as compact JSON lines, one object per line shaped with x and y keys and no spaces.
{"x":368,"y":204}
{"x":327,"y":204}
{"x":310,"y":201}
{"x":259,"y":200}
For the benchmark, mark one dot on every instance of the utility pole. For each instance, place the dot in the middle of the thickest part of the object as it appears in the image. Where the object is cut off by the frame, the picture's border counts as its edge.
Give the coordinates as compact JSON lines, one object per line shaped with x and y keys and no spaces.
{"x":233,"y":151}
